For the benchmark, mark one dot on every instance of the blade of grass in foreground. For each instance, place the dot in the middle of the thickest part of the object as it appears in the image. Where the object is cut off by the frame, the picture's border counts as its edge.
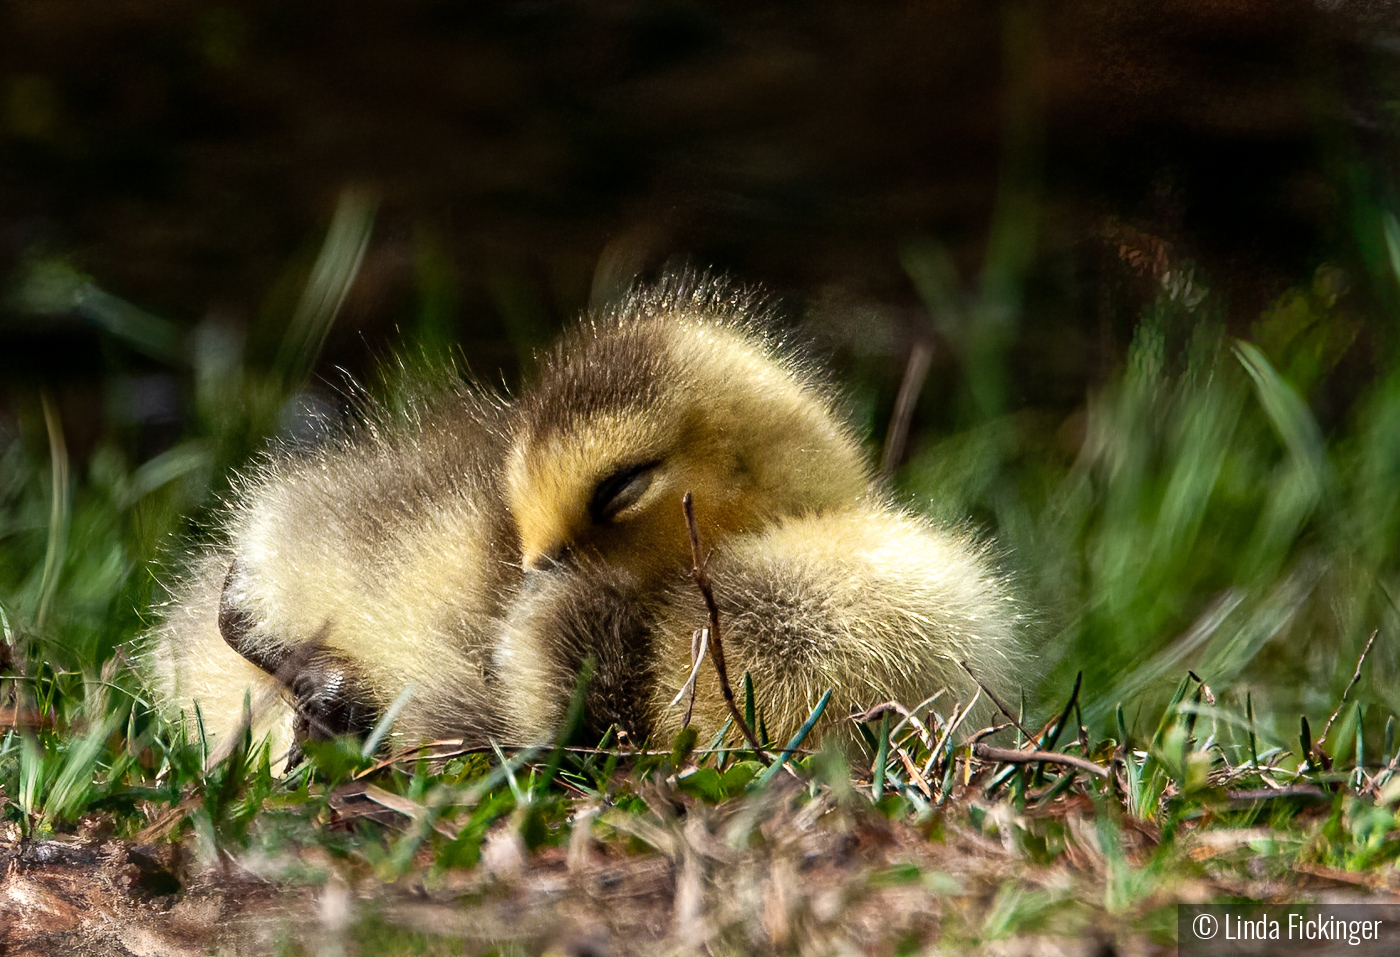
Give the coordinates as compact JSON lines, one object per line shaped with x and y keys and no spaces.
{"x":796,"y":741}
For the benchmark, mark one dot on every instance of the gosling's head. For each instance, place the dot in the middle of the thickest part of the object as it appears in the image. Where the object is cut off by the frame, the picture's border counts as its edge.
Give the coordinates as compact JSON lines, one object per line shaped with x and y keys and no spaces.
{"x":676,"y":390}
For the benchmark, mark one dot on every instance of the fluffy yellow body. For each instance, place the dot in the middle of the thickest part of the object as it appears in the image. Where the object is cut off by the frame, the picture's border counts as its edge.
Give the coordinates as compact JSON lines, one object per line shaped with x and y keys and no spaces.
{"x":483,"y":552}
{"x":382,"y":558}
{"x":868,"y":601}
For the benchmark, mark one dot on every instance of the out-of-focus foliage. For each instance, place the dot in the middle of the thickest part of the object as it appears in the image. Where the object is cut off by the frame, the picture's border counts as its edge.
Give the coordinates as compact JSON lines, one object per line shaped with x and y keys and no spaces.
{"x":1203,"y":521}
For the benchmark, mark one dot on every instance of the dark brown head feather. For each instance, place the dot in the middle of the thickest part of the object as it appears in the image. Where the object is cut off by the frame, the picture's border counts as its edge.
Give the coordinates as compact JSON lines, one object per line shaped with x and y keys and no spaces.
{"x":617,"y":360}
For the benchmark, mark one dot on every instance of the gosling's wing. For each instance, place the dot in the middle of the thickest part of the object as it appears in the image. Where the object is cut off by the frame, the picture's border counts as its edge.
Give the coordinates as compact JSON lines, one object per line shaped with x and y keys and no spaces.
{"x":871,"y":602}
{"x":590,"y":616}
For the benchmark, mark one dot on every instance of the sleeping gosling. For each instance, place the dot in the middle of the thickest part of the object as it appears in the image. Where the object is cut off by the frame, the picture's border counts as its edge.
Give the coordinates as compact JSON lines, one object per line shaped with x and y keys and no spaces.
{"x":821,"y":581}
{"x":476,"y":557}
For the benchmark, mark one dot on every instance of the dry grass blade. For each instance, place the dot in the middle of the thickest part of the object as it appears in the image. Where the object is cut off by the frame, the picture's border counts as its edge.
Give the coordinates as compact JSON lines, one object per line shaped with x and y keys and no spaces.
{"x":1382,"y":776}
{"x":1355,"y":677}
{"x":161,"y":827}
{"x":407,"y":807}
{"x":1001,"y":706}
{"x":955,"y":721}
{"x":699,"y":644}
{"x":915,"y":372}
{"x":914,"y":774}
{"x":1253,"y":796}
{"x":907,"y":717}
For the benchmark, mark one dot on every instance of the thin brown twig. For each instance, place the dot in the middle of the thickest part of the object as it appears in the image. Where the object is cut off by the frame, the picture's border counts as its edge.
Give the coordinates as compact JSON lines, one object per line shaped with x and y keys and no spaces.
{"x":417,"y":753}
{"x":1356,"y":676}
{"x":986,"y":733}
{"x":906,"y":717}
{"x":997,"y":701}
{"x":989,"y":753}
{"x":702,"y":581}
{"x":1254,"y":796}
{"x":876,"y":711}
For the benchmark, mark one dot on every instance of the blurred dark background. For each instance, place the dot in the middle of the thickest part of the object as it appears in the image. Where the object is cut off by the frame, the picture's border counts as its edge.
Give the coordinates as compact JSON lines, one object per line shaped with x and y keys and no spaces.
{"x":208,"y":211}
{"x":529,"y":157}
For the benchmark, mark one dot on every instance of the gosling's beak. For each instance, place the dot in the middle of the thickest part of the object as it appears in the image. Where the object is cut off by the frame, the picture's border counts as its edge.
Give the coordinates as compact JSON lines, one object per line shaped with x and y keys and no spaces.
{"x":554,"y":559}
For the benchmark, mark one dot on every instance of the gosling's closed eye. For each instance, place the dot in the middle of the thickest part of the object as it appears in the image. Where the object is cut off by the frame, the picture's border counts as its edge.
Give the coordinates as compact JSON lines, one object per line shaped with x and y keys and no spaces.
{"x":619,"y":490}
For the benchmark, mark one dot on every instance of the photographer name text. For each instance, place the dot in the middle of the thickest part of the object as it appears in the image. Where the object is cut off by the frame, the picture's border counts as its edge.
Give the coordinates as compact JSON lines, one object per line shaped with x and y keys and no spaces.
{"x":1300,"y":927}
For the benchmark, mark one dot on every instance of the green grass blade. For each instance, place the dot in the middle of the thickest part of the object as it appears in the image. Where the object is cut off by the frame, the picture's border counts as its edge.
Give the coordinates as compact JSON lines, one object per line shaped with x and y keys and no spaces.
{"x":882,"y":755}
{"x":60,"y":512}
{"x":329,"y":284}
{"x":796,"y":740}
{"x":385,"y":722}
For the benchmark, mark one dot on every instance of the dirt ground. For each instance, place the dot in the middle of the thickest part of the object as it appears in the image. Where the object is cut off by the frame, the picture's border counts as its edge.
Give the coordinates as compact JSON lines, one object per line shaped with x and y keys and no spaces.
{"x":756,"y":877}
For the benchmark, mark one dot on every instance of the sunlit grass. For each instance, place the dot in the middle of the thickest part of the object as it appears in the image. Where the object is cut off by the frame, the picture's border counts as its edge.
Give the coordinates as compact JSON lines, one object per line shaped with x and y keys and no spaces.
{"x":1203,"y":569}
